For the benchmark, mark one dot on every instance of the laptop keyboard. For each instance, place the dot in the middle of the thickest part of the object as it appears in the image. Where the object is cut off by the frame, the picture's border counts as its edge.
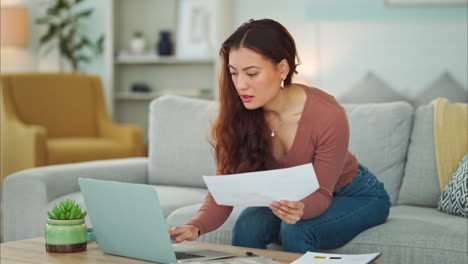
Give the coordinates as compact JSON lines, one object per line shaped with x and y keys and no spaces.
{"x":185,"y":255}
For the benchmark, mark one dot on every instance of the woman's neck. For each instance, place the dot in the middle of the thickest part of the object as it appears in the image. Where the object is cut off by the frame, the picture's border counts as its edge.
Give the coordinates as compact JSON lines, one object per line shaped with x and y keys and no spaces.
{"x":284,"y":103}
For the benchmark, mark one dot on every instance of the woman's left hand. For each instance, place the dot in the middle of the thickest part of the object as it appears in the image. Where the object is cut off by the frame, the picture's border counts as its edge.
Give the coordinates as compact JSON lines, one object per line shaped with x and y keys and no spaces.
{"x":290,"y":212}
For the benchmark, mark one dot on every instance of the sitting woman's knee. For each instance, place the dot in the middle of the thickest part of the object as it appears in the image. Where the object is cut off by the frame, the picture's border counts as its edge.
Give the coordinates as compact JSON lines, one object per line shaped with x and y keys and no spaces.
{"x":288,"y":231}
{"x":295,"y":238}
{"x":246,"y":220}
{"x":254,"y":226}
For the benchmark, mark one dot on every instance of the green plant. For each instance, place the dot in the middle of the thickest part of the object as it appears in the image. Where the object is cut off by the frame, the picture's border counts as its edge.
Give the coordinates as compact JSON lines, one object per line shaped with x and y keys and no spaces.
{"x":67,"y":210}
{"x":137,"y":34}
{"x":63,"y":23}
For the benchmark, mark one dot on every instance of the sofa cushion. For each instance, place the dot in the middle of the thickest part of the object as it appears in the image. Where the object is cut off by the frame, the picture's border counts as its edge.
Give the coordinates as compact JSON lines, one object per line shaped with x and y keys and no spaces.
{"x":179,"y":152}
{"x":454,"y":198}
{"x":185,"y":196}
{"x":70,"y":150}
{"x":445,"y":86}
{"x":420,"y":184}
{"x":371,"y":89}
{"x":379,"y":135}
{"x":414,"y":235}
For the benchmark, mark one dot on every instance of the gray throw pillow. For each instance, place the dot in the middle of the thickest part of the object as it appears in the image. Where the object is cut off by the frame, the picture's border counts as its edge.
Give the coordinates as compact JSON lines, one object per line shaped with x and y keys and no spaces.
{"x":454,"y":198}
{"x":371,"y":89}
{"x":445,"y":86}
{"x":420,"y":185}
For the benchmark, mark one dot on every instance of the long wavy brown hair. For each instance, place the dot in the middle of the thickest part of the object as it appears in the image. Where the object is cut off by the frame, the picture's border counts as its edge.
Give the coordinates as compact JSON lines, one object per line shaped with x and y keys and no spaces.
{"x":241,"y":137}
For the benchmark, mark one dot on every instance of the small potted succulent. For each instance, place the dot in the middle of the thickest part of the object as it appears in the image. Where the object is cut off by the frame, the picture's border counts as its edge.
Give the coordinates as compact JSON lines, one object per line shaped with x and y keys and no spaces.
{"x":66,"y":230}
{"x":137,"y":43}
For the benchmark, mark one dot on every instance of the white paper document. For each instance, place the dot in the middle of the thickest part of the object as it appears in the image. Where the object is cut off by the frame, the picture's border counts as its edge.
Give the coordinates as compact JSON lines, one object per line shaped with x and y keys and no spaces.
{"x":322,"y":258}
{"x":249,"y":260}
{"x":263,"y":187}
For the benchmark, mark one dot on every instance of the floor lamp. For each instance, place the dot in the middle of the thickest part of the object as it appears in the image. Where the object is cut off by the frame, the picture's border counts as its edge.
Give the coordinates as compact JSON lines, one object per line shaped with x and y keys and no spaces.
{"x":14,"y":29}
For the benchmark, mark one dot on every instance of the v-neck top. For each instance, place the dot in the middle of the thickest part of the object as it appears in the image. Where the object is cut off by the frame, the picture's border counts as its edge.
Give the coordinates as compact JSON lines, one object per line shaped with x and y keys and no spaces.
{"x":322,"y":138}
{"x":296,"y":138}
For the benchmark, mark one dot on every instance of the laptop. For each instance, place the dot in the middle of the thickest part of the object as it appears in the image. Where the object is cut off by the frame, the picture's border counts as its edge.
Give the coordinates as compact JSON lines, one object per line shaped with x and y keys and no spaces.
{"x":128,"y":221}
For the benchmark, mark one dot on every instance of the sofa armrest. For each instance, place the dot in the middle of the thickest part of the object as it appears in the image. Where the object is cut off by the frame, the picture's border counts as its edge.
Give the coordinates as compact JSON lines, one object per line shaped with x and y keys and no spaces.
{"x":27,"y":193}
{"x":22,"y":146}
{"x":129,"y":135}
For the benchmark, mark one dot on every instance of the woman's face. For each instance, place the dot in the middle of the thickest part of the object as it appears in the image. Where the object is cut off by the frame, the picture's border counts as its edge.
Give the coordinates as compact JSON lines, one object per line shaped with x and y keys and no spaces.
{"x":256,"y":79}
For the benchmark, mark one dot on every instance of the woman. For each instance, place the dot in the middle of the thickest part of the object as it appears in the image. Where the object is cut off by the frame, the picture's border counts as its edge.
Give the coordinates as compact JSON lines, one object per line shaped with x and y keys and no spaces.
{"x":267,"y":122}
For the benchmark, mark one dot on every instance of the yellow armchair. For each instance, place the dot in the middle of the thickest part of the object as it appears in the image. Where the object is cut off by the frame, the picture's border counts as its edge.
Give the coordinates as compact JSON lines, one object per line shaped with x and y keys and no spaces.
{"x":49,"y":118}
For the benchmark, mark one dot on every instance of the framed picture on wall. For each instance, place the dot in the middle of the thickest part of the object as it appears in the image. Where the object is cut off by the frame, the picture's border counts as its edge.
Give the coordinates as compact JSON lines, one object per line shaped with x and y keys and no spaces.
{"x":418,"y":3}
{"x":197,"y":28}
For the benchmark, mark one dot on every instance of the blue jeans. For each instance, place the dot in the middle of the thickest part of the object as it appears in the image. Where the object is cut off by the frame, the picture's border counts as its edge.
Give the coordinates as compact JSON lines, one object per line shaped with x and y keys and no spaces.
{"x":361,"y":204}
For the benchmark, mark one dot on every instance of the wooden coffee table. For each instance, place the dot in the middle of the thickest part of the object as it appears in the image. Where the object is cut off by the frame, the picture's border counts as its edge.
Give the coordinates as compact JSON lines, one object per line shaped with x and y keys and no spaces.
{"x":33,"y":251}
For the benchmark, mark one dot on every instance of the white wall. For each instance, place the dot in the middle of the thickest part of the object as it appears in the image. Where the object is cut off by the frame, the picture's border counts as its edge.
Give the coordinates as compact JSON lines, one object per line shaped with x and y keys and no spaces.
{"x":339,"y":41}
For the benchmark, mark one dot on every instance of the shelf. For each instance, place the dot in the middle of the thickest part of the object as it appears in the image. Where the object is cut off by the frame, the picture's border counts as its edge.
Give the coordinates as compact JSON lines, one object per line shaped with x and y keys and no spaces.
{"x":136,"y":96}
{"x":194,"y":77}
{"x":153,"y":59}
{"x":140,"y":96}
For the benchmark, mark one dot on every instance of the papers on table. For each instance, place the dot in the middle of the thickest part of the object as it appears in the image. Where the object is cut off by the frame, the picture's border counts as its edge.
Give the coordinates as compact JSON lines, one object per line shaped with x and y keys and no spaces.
{"x":261,"y":188}
{"x":245,"y":260}
{"x":322,"y":258}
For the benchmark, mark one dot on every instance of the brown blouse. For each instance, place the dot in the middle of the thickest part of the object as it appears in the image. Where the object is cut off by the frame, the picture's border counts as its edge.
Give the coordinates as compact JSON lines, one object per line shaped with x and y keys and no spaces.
{"x":322,"y":138}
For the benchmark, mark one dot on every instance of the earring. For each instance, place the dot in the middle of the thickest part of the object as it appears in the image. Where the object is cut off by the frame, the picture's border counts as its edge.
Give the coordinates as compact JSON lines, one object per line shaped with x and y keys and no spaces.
{"x":282,"y":84}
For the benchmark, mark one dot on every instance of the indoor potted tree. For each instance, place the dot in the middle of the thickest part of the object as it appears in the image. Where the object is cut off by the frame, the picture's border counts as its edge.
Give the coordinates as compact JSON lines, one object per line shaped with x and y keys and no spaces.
{"x":66,"y":230}
{"x":65,"y":32}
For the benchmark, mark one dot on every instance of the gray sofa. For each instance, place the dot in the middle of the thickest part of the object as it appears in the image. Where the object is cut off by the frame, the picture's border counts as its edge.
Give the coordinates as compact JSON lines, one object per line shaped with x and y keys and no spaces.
{"x":392,"y":139}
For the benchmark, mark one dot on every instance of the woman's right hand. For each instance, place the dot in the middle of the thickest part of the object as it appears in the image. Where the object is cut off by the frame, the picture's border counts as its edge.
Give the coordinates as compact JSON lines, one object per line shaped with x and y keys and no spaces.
{"x":185,"y":232}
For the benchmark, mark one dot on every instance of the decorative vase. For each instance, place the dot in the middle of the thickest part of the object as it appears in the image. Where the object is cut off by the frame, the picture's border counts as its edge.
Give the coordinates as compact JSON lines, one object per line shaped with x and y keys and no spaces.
{"x":66,"y":236}
{"x":137,"y":45}
{"x":164,"y":46}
